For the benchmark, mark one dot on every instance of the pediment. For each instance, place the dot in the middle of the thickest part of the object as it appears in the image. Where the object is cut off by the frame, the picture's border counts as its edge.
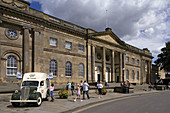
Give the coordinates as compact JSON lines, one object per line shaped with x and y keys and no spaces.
{"x":108,"y":38}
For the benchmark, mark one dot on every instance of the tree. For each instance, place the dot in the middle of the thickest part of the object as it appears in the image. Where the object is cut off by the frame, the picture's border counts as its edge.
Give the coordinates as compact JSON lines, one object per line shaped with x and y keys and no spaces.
{"x":164,"y":58}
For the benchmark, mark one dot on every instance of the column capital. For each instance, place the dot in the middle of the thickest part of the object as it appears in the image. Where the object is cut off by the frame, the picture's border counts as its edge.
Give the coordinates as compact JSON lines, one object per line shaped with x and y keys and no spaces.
{"x":26,"y":27}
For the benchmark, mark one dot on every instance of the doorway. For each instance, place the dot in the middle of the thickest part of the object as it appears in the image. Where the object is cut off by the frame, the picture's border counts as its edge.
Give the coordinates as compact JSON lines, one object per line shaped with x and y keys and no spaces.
{"x":98,"y":77}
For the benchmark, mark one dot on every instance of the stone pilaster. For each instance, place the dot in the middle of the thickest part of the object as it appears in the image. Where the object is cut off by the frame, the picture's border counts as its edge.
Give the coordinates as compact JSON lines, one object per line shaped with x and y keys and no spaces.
{"x":89,"y":71}
{"x":142,"y":72}
{"x":93,"y":63}
{"x":121,"y":67}
{"x":33,"y":50}
{"x":113,"y":78}
{"x":150,"y":70}
{"x":26,"y":53}
{"x":104,"y":64}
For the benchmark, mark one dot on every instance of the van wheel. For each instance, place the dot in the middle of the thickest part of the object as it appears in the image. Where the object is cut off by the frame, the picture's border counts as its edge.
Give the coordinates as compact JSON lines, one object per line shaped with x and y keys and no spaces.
{"x":39,"y":101}
{"x":16,"y":104}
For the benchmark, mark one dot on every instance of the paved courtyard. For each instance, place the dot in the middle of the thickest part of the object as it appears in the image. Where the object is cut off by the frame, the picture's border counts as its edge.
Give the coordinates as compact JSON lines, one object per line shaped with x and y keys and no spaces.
{"x":62,"y":105}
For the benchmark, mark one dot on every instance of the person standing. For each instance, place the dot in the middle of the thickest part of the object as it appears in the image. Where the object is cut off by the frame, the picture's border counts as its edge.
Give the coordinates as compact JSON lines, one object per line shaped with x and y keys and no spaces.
{"x":69,"y":87}
{"x":78,"y":94}
{"x":52,"y":90}
{"x":100,"y":86}
{"x":72,"y":88}
{"x":150,"y":86}
{"x":81,"y":87}
{"x":85,"y":90}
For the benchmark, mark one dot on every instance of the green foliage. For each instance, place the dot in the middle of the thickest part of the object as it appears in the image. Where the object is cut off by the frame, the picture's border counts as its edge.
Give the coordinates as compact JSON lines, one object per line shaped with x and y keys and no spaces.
{"x":164,"y":58}
{"x":63,"y":93}
{"x":104,"y":91}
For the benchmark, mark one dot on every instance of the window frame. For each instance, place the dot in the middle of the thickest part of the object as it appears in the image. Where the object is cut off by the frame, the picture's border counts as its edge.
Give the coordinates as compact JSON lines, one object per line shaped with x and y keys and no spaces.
{"x":67,"y":42}
{"x":133,"y":75}
{"x":14,"y":68}
{"x":54,"y":70}
{"x":138,"y":61}
{"x":81,"y":70}
{"x":81,"y":47}
{"x":133,"y":60}
{"x":127,"y":74}
{"x":137,"y":75}
{"x":68,"y":70}
{"x":127,"y":59}
{"x":52,"y":44}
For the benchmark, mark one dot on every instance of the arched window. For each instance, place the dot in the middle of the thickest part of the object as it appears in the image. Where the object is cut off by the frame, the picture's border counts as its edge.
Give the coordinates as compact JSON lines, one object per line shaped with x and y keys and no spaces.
{"x":81,"y":70}
{"x":53,"y":67}
{"x":127,"y":74}
{"x":133,"y":75}
{"x":68,"y":69}
{"x":108,"y":69}
{"x":99,"y":69}
{"x":12,"y":65}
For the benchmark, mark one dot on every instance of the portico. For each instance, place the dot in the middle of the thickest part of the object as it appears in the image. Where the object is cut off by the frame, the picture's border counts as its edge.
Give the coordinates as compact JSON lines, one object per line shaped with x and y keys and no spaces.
{"x":107,"y":63}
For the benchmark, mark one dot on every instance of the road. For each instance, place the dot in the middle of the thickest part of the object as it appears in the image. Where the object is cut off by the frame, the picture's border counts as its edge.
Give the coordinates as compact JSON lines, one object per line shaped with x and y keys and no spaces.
{"x":150,"y":103}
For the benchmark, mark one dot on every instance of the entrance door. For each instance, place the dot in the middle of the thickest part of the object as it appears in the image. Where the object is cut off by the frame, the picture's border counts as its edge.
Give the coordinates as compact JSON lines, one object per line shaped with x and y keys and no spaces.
{"x":98,"y":77}
{"x":117,"y":79}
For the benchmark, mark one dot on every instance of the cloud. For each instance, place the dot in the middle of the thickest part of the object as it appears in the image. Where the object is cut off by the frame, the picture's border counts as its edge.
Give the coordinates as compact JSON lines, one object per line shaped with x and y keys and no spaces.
{"x":141,"y":23}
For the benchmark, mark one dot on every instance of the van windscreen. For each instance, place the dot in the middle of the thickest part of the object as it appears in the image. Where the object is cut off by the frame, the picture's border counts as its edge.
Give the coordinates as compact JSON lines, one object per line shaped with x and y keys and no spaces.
{"x":30,"y":83}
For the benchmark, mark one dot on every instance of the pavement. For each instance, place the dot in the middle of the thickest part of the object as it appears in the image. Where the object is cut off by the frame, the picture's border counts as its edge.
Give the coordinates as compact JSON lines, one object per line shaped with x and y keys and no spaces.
{"x":65,"y":105}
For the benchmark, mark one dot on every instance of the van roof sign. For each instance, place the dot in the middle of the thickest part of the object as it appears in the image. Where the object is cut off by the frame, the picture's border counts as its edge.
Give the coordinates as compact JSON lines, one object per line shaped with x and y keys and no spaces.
{"x":35,"y":76}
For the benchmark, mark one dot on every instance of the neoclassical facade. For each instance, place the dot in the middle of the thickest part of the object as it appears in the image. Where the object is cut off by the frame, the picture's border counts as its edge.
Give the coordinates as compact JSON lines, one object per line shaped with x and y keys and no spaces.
{"x":32,"y":41}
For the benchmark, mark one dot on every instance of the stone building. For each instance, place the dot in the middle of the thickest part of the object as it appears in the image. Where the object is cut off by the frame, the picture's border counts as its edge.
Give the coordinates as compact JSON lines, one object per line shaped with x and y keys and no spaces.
{"x":32,"y":41}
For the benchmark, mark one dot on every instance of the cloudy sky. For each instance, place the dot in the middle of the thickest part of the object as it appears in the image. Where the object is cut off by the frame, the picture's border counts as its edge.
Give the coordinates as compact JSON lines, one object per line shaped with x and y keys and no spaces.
{"x":141,"y":23}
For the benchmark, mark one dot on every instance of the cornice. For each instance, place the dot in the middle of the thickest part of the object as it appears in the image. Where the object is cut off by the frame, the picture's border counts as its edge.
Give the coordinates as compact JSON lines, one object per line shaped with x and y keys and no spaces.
{"x":133,"y":65}
{"x":62,"y":52}
{"x":11,"y":44}
{"x":42,"y":21}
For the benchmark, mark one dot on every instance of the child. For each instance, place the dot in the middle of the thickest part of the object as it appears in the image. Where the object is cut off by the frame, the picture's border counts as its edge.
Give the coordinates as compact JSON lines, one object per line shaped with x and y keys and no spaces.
{"x":52,"y":89}
{"x":78,"y":94}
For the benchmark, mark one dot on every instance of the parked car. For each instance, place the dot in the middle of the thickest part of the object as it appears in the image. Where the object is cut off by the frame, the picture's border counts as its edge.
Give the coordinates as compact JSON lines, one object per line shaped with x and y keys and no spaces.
{"x":34,"y":88}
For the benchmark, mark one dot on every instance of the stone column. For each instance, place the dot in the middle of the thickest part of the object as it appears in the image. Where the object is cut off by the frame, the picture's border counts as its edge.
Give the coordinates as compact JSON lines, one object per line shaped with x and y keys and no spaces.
{"x":89,"y":71}
{"x":93,"y":63}
{"x":144,"y":72}
{"x":150,"y":70}
{"x":121,"y":67}
{"x":142,"y":75}
{"x":104,"y":64}
{"x":33,"y":49}
{"x":113,"y":67}
{"x":26,"y":54}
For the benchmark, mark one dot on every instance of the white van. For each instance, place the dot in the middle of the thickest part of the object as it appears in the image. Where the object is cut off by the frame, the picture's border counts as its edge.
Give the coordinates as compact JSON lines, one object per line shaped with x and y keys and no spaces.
{"x":34,"y":88}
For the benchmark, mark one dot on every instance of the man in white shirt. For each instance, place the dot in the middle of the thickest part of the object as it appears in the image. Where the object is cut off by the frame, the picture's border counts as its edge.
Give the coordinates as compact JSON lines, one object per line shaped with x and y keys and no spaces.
{"x":86,"y":89}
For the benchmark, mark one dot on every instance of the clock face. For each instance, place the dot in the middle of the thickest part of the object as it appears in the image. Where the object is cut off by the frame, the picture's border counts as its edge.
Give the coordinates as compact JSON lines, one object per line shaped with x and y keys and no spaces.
{"x":12,"y":34}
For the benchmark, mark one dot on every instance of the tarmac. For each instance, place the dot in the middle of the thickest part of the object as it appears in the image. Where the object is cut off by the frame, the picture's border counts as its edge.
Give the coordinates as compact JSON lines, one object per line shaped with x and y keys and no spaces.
{"x":65,"y":105}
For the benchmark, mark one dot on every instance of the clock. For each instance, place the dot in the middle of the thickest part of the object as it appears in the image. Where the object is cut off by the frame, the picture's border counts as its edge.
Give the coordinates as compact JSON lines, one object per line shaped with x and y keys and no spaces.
{"x":12,"y":34}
